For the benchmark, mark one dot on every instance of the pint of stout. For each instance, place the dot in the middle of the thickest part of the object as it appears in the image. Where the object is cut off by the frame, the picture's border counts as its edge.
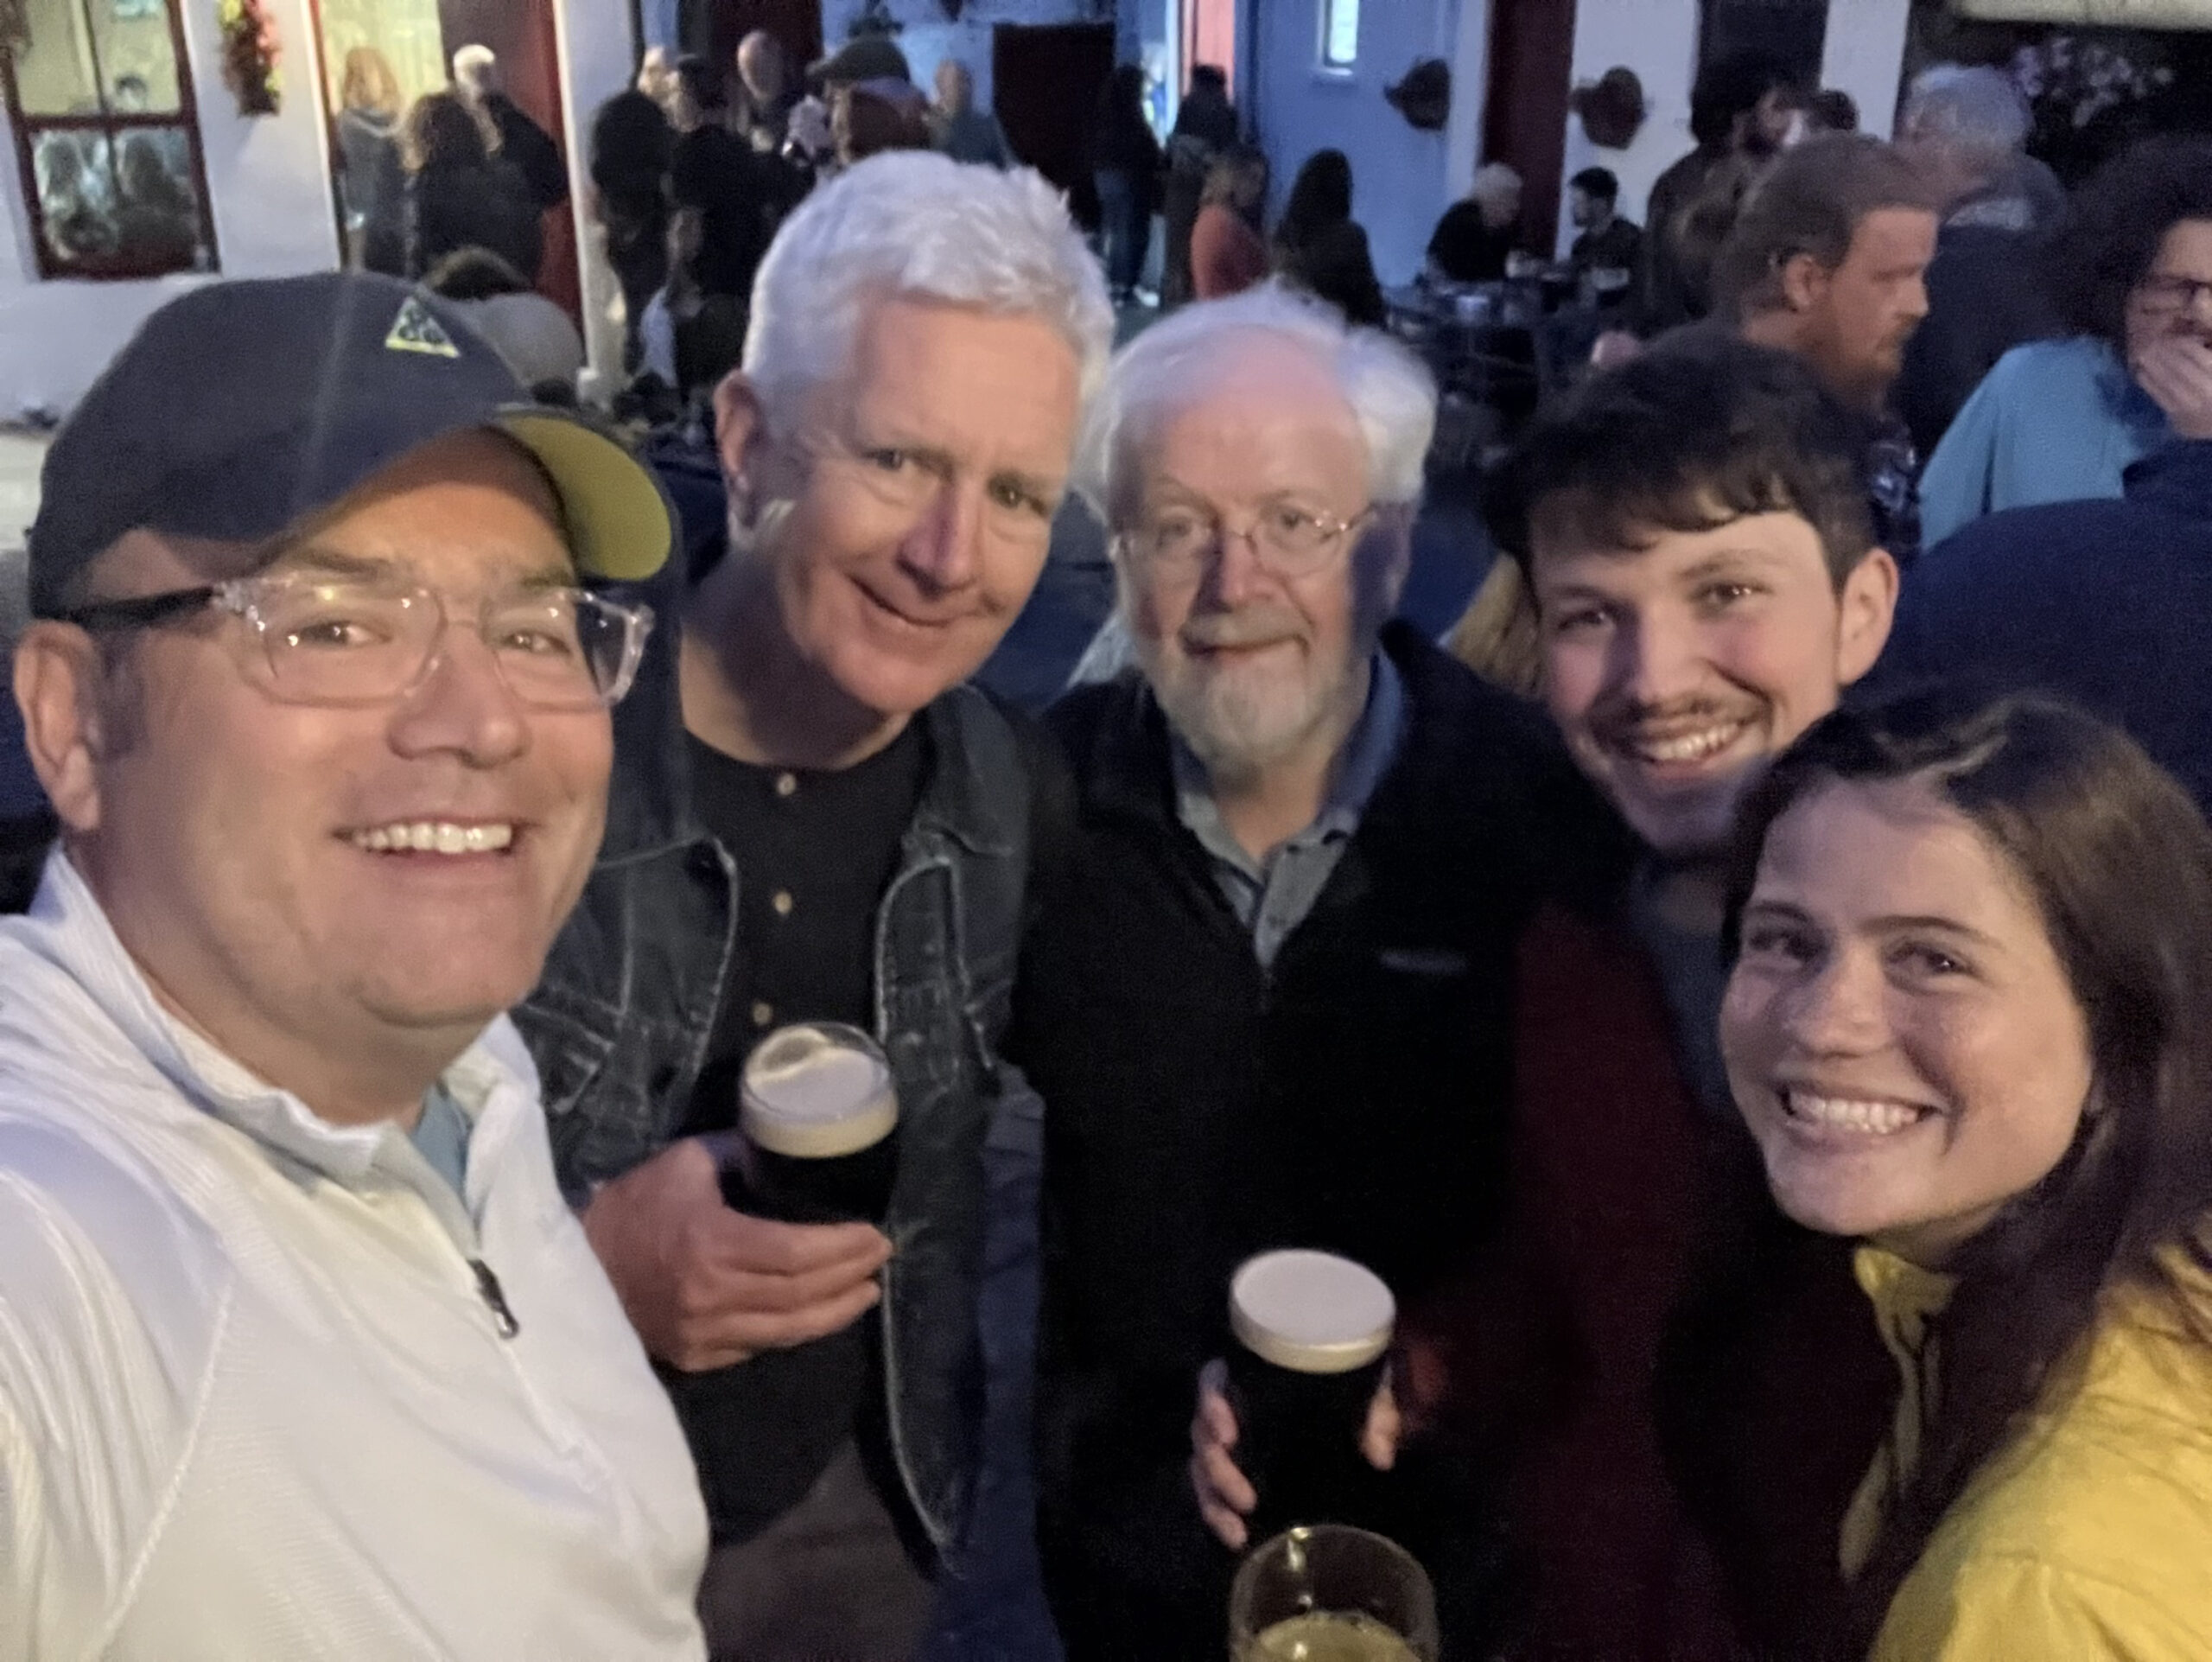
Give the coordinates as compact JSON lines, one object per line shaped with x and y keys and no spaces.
{"x":1312,"y":1330}
{"x":818,"y":1118}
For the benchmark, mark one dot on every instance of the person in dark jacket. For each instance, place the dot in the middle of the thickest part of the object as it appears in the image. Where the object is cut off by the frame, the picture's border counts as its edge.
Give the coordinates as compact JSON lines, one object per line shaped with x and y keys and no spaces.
{"x":1125,"y":167}
{"x":1318,"y":245}
{"x":1990,"y":286}
{"x":1476,"y":237}
{"x":2107,"y":604}
{"x":632,"y":144}
{"x":1206,"y":130}
{"x":372,"y":179}
{"x":819,"y":821}
{"x":1272,"y":1009}
{"x":521,"y":141}
{"x":1738,"y":113}
{"x":460,"y":195}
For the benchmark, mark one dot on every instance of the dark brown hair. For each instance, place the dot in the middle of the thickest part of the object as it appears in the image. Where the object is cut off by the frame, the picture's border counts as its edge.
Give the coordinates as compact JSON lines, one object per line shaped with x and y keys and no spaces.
{"x":2119,"y":862}
{"x":2115,"y":222}
{"x":1810,"y":201}
{"x":441,"y":132}
{"x":1694,"y":433}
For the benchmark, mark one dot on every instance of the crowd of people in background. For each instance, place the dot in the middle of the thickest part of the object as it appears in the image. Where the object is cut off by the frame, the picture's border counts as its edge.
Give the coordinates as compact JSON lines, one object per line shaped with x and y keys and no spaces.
{"x":1744,"y":995}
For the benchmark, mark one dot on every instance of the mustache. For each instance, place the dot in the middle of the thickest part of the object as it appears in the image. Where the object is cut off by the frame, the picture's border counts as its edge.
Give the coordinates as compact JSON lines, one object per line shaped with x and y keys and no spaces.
{"x":1626,"y":714}
{"x":1255,"y":627}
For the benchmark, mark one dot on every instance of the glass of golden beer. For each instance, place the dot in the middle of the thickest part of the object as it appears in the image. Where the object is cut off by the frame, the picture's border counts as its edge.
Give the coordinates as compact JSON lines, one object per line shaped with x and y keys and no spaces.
{"x":1328,"y":1593}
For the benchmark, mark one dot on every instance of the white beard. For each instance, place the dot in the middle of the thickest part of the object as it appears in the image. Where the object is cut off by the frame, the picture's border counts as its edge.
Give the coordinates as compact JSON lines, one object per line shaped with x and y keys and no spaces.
{"x":1241,"y":721}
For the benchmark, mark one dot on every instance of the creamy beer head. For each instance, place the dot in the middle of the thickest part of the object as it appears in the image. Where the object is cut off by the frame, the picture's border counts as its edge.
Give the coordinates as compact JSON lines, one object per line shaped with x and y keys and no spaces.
{"x":1311,"y":1312}
{"x":816,"y":1091}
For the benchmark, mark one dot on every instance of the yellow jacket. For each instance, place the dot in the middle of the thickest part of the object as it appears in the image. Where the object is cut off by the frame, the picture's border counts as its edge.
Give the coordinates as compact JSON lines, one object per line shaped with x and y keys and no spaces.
{"x":2088,"y":1536}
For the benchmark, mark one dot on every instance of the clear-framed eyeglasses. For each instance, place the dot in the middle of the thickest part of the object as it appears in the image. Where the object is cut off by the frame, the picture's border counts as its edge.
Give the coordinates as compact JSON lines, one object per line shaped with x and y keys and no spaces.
{"x":350,"y":642}
{"x":1290,"y":538}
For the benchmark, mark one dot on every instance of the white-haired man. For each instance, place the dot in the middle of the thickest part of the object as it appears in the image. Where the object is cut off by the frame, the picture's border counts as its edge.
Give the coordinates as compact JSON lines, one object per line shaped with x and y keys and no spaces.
{"x":1989,"y":286}
{"x":1270,"y":1005}
{"x":478,"y":78}
{"x":816,"y":821}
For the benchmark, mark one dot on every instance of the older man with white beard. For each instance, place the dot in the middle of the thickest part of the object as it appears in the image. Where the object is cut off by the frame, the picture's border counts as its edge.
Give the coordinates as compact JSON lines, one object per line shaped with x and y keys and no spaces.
{"x":1272,"y":1008}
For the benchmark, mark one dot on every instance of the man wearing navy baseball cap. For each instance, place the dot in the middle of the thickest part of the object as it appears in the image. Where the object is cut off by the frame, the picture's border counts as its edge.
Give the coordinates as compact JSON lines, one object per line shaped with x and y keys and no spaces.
{"x":301,"y":1353}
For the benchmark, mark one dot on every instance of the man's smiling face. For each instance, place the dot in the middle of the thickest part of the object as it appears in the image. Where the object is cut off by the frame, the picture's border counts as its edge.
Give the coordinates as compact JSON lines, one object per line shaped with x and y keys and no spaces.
{"x":916,"y":497}
{"x":1678,"y":667}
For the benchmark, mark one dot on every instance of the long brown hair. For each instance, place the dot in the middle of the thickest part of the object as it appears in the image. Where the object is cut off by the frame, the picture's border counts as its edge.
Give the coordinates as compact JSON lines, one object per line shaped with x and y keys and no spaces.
{"x":2119,"y":862}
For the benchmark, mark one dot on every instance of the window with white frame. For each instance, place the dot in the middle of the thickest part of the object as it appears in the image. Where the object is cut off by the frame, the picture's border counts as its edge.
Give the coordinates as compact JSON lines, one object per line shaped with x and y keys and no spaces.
{"x":1340,"y":34}
{"x":106,"y":137}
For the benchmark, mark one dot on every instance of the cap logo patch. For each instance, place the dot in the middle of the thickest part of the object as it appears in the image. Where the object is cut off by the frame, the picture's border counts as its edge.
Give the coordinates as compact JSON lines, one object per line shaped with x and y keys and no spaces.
{"x":416,"y":330}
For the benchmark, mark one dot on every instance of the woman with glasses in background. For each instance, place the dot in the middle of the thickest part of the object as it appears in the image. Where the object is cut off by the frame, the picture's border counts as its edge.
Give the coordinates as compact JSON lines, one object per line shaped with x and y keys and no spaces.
{"x":2060,"y":420}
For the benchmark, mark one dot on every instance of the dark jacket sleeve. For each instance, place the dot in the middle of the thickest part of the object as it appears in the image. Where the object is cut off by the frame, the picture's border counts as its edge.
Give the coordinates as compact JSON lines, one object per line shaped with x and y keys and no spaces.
{"x":533,"y":150}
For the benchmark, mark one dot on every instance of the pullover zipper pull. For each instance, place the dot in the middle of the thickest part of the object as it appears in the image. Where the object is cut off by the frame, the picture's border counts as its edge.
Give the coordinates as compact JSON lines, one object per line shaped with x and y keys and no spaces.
{"x":495,"y":1299}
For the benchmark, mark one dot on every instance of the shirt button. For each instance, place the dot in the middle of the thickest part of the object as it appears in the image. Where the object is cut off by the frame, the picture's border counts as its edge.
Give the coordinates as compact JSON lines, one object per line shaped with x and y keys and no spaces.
{"x":786,"y":784}
{"x":763,"y":1014}
{"x":782,"y":902}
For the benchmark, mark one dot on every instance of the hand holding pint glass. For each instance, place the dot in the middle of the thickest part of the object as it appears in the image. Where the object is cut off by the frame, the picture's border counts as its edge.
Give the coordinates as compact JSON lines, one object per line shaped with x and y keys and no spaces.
{"x":722,"y":1247}
{"x":1296,"y":1424}
{"x":818,"y":1128}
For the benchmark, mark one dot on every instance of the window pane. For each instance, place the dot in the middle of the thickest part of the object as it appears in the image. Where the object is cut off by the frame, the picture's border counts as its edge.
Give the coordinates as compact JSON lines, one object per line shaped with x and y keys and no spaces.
{"x":131,"y":199}
{"x":138,"y":54}
{"x":1341,"y":45}
{"x":54,"y":66}
{"x":158,"y":218}
{"x":76,"y":195}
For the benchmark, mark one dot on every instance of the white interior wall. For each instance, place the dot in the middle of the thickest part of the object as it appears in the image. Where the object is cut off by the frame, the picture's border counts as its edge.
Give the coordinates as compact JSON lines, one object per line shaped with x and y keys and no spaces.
{"x":1398,"y":174}
{"x":1864,"y":56}
{"x":269,"y":185}
{"x":1658,"y":40}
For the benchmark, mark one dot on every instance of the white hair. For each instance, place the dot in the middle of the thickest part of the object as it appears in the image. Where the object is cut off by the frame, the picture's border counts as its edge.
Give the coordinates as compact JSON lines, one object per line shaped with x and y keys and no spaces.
{"x":473,"y":65}
{"x":917,"y":225}
{"x":1978,"y":110}
{"x":1492,"y":179}
{"x":1390,"y":390}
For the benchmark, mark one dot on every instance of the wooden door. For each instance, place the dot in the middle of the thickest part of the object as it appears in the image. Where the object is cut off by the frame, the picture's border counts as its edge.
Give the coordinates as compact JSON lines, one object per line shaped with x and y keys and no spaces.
{"x":1045,"y":82}
{"x":522,"y":34}
{"x":1524,"y":119}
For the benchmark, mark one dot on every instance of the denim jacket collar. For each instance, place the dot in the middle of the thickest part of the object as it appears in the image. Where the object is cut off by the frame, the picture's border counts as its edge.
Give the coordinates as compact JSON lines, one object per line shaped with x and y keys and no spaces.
{"x":650,"y":811}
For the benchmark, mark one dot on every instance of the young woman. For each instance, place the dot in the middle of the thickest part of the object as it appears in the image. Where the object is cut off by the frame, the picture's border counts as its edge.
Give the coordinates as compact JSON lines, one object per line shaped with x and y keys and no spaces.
{"x":1968,"y":1028}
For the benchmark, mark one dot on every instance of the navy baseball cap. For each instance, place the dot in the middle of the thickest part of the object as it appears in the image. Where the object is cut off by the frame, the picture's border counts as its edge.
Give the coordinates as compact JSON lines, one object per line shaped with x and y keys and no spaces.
{"x":243,"y":408}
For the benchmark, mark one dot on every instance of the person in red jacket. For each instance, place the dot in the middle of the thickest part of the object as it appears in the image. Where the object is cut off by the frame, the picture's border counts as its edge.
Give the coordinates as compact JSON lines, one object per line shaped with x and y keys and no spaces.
{"x":1693,"y":530}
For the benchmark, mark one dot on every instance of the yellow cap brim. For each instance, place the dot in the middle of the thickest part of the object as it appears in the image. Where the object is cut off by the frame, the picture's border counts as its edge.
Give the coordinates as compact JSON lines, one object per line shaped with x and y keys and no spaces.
{"x":621,"y":524}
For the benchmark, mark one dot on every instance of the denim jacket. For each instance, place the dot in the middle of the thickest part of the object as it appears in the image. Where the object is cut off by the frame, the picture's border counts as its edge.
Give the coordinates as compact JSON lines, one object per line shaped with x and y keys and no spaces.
{"x":620,"y":1027}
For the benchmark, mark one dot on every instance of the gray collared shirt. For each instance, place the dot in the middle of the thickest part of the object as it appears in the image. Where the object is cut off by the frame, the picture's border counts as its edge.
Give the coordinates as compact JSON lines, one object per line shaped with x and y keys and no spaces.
{"x":1271,"y":897}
